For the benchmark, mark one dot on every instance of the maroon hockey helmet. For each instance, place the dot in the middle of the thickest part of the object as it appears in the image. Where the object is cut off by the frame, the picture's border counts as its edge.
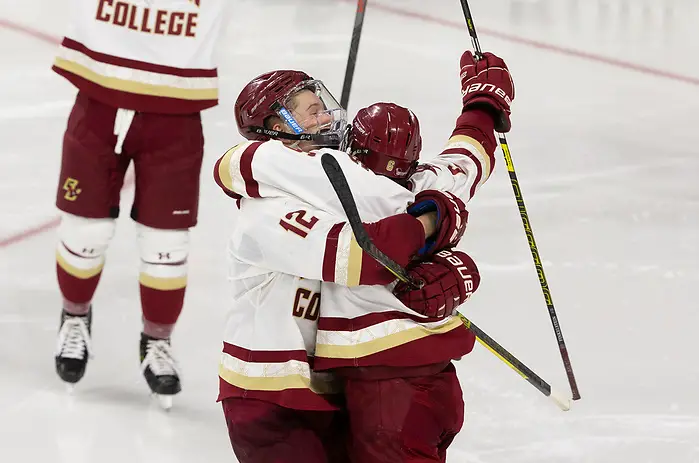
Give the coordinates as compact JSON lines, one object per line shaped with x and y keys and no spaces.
{"x":275,"y":94}
{"x":255,"y":102}
{"x":386,"y":139}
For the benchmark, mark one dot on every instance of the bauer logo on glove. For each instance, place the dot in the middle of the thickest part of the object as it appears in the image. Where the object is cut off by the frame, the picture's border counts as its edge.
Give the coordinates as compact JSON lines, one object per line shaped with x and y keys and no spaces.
{"x":486,"y":84}
{"x":450,"y":278}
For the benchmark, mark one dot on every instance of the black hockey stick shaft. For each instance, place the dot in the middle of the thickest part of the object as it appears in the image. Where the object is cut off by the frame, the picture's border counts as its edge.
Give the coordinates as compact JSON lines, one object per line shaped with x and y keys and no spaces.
{"x":354,"y":47}
{"x":339,"y":183}
{"x":527,"y":225}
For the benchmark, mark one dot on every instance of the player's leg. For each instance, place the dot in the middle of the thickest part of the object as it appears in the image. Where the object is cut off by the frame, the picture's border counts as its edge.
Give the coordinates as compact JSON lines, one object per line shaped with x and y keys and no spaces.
{"x":263,"y":432}
{"x":404,"y":419}
{"x":88,"y":194}
{"x":444,"y":445}
{"x":453,"y":400}
{"x":162,"y":281}
{"x":333,"y":430}
{"x":167,"y":165}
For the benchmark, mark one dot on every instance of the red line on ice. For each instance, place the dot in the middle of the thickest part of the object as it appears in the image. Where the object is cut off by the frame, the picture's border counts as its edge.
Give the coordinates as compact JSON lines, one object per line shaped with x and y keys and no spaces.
{"x":26,"y":30}
{"x":461,"y":25}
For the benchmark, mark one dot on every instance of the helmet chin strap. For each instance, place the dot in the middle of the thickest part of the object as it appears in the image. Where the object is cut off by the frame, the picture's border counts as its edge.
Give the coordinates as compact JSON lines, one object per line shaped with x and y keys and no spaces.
{"x":280,"y":135}
{"x":322,"y":140}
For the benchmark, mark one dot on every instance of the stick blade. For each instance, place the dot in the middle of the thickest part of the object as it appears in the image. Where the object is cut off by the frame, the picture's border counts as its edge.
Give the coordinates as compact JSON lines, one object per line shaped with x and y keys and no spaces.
{"x":562,"y":401}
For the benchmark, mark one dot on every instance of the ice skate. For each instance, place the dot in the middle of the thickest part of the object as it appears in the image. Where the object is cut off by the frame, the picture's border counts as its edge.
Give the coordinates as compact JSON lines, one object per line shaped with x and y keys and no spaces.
{"x":160,"y":369}
{"x":73,"y":348}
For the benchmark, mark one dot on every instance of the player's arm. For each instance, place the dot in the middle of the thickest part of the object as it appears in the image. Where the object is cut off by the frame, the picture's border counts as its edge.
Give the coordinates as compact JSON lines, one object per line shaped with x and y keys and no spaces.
{"x":233,"y":171}
{"x":469,"y":156}
{"x":255,"y":169}
{"x":291,"y":237}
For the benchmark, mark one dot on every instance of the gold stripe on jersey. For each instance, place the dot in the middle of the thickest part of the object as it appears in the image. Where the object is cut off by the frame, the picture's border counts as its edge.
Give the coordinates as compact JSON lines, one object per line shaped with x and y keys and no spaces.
{"x":275,"y":383}
{"x":136,"y":87}
{"x":224,"y":169}
{"x":163,"y":284}
{"x":459,"y":139}
{"x":354,"y":263}
{"x":81,"y":273}
{"x":385,"y":342}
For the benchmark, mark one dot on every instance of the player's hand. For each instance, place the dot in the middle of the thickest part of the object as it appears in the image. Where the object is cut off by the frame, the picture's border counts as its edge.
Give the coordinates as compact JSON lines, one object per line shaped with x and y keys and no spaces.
{"x":450,"y":277}
{"x":487,"y":84}
{"x":451,"y":218}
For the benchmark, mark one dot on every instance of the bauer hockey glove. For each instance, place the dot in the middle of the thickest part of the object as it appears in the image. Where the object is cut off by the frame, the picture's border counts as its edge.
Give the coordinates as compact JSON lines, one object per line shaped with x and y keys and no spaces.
{"x":486,"y":84}
{"x":451,"y":218}
{"x":450,"y":277}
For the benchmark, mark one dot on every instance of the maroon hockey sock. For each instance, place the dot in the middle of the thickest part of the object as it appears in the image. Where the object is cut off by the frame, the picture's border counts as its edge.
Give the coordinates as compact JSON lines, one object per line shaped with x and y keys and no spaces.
{"x":77,"y":292}
{"x":161,"y":309}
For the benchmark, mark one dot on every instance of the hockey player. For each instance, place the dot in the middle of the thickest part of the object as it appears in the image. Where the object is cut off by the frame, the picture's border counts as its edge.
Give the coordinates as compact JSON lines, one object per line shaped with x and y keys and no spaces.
{"x":376,"y":344}
{"x":144,"y":72}
{"x":275,"y":406}
{"x":428,"y":381}
{"x":253,"y":170}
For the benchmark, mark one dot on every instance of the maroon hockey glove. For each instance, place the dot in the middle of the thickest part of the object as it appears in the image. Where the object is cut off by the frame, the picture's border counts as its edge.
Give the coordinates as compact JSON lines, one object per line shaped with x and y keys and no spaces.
{"x":450,"y":278}
{"x":487,"y":84}
{"x":451,"y":218}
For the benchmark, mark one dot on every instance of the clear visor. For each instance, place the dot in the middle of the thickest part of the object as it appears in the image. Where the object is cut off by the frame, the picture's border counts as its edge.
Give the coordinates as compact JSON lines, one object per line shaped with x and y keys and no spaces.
{"x":310,"y":108}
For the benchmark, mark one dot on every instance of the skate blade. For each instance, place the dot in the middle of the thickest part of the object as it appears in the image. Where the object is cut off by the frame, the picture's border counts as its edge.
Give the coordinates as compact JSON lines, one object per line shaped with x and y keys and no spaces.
{"x":165,"y":401}
{"x":70,"y":388}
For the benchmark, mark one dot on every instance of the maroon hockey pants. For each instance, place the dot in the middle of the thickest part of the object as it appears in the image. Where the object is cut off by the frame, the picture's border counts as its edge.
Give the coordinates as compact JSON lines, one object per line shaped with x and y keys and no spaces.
{"x":404,"y":419}
{"x":263,"y":432}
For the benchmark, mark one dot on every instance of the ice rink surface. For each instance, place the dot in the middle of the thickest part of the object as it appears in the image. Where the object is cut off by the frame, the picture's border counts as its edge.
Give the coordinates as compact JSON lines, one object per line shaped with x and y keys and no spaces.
{"x":605,"y":135}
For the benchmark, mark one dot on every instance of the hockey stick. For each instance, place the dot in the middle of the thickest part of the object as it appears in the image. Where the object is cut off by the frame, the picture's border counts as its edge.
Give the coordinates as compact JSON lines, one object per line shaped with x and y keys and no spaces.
{"x":339,"y":182}
{"x":352,"y":58}
{"x":527,"y":226}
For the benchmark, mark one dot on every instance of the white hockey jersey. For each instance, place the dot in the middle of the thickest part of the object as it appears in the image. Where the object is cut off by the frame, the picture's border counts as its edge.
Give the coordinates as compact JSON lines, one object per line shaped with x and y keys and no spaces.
{"x":280,"y":249}
{"x":291,"y":235}
{"x":367,"y":325}
{"x":145,"y":55}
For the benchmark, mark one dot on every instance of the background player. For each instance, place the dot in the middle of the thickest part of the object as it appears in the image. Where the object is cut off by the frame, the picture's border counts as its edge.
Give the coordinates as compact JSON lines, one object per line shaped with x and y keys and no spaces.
{"x":144,"y":72}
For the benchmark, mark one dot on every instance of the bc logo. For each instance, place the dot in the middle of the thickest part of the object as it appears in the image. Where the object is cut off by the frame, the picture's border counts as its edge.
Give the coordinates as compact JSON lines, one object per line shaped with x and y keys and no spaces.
{"x":71,"y":188}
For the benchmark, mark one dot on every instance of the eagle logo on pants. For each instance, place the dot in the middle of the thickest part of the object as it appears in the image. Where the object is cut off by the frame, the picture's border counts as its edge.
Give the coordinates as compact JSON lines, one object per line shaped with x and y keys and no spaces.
{"x":71,"y":188}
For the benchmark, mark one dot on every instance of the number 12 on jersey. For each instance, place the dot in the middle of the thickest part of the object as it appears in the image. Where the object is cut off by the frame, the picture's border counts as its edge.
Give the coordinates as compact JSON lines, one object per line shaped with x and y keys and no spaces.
{"x":297,"y":222}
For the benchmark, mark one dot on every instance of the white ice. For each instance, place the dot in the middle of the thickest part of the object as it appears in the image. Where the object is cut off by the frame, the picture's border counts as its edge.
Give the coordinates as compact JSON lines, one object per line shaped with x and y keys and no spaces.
{"x":607,"y":161}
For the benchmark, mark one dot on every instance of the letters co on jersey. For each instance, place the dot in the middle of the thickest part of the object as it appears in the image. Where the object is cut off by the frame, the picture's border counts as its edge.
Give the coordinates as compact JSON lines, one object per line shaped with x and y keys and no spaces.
{"x":155,"y":56}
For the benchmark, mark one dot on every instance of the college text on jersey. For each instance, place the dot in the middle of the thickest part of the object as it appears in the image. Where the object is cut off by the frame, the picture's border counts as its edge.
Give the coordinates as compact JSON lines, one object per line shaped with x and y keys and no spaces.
{"x":148,"y":20}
